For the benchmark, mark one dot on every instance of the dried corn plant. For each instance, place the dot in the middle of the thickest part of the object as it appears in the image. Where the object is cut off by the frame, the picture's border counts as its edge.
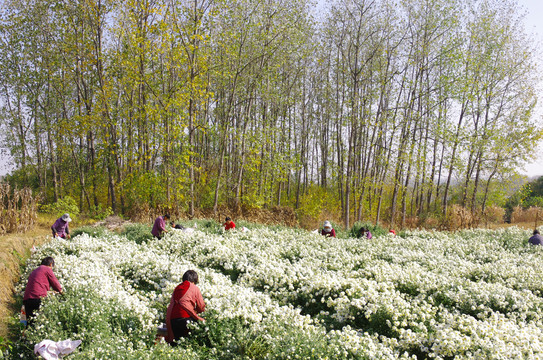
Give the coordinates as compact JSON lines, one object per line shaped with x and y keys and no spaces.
{"x":458,"y":217}
{"x":493,"y":215}
{"x":532,"y":214}
{"x":18,"y":209}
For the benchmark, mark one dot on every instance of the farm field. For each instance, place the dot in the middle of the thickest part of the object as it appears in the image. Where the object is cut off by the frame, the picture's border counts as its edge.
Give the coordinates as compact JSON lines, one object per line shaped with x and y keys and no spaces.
{"x":279,"y":293}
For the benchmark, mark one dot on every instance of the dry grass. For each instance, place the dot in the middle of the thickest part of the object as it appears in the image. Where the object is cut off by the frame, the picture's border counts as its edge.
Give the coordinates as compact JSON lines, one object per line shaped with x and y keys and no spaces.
{"x":532,"y":215}
{"x":523,"y":225}
{"x":14,"y":250}
{"x":458,"y":217}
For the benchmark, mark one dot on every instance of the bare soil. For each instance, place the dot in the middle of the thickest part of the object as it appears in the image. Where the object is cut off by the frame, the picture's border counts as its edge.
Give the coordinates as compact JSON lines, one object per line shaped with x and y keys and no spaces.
{"x":113,"y":223}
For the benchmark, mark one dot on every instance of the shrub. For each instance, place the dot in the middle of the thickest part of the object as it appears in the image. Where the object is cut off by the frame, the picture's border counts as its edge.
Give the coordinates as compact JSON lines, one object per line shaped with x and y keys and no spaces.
{"x":18,"y":209}
{"x":458,"y":217}
{"x":531,"y":214}
{"x":316,"y":203}
{"x":494,"y":214}
{"x":65,"y":205}
{"x":99,"y":213}
{"x":95,"y":231}
{"x":84,"y":315}
{"x":139,"y":233}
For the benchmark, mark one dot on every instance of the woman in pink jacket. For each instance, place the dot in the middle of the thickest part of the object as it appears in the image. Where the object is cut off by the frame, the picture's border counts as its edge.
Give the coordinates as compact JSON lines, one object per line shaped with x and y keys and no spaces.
{"x":185,"y":305}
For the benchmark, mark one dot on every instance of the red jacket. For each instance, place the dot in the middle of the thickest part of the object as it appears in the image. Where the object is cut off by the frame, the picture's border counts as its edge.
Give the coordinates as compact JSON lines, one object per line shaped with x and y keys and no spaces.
{"x":229,"y":225}
{"x":332,"y":233}
{"x":39,"y":282}
{"x":186,"y":302}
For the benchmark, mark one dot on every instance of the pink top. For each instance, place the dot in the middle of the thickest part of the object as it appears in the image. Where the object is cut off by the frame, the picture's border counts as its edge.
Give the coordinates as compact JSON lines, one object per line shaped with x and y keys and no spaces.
{"x":39,"y":282}
{"x":159,"y":226}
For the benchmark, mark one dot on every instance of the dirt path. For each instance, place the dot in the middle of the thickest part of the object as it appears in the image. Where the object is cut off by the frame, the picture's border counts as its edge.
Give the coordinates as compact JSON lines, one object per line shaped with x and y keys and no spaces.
{"x":15,"y":249}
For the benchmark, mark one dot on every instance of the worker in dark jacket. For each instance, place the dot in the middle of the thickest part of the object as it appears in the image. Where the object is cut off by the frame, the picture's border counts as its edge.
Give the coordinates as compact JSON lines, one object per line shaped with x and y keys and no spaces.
{"x":536,"y":239}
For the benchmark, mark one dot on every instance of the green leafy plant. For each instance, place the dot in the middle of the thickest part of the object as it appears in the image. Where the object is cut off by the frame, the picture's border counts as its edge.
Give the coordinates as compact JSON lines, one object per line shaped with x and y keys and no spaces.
{"x":89,"y":317}
{"x":139,"y":233}
{"x":99,"y":212}
{"x":96,"y":231}
{"x":65,"y":205}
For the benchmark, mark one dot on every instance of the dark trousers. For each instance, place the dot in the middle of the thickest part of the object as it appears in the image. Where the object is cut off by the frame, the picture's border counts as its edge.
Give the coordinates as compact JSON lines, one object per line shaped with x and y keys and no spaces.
{"x":179,"y":328}
{"x":31,"y":305}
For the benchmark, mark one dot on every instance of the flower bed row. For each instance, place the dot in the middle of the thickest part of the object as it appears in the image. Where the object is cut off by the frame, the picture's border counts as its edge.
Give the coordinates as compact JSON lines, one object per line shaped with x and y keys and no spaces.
{"x":116,"y":293}
{"x":471,"y":295}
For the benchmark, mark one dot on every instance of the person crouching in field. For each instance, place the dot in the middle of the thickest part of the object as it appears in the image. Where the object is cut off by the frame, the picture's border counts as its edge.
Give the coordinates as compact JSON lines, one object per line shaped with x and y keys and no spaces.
{"x":60,"y":227}
{"x":177,"y":226}
{"x":365,"y":233}
{"x":185,"y":305}
{"x":328,"y":230}
{"x":536,"y":239}
{"x":39,"y":282}
{"x":229,"y":224}
{"x":159,"y":227}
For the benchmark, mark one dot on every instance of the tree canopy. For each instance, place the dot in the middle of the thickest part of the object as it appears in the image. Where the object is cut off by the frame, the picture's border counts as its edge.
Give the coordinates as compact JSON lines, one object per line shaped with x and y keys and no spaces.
{"x":377,"y":110}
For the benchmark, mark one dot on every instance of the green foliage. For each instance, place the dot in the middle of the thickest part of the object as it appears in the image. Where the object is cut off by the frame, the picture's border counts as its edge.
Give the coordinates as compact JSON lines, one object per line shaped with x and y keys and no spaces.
{"x":65,"y":205}
{"x":231,"y":338}
{"x":205,"y":225}
{"x":5,"y":346}
{"x":95,"y":231}
{"x":530,"y":194}
{"x":100,"y":323}
{"x":374,"y":229}
{"x":317,"y":202}
{"x":100,"y":212}
{"x":536,"y":187}
{"x":140,"y":187}
{"x":23,"y":177}
{"x":255,"y":226}
{"x":533,"y":201}
{"x":139,"y":233}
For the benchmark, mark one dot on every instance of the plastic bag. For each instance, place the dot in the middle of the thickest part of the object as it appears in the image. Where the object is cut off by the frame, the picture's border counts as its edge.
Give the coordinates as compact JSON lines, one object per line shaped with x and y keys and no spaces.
{"x":22,"y":316}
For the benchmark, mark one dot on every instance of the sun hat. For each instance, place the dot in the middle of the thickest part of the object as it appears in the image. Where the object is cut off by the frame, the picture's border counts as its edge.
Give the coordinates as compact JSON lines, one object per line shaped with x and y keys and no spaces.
{"x":66,"y":217}
{"x":327,"y":225}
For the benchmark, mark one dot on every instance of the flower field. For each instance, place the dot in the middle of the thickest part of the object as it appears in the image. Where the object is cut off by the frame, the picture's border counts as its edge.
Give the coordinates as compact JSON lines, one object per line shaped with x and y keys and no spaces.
{"x":277,"y":293}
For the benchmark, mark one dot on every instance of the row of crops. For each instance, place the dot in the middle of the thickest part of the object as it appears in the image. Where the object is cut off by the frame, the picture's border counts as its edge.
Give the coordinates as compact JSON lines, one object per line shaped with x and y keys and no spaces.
{"x":288,"y":294}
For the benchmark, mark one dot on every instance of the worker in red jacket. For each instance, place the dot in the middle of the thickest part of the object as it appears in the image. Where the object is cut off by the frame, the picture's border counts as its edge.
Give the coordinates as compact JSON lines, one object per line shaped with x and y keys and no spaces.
{"x":229,"y":224}
{"x":39,"y":282}
{"x":328,"y":230}
{"x":185,"y":305}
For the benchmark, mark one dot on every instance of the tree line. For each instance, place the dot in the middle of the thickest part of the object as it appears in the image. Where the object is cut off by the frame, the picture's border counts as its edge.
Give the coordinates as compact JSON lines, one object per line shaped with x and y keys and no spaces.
{"x":376,"y":109}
